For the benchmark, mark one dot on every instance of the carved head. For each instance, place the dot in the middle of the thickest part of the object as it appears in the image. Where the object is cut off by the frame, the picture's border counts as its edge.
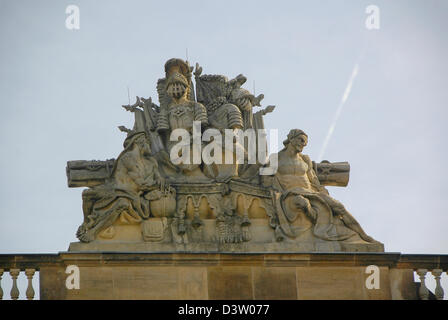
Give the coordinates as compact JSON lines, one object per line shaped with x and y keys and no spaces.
{"x":297,"y":140}
{"x":138,"y":139}
{"x":175,"y":65}
{"x":178,"y":78}
{"x":242,"y":98}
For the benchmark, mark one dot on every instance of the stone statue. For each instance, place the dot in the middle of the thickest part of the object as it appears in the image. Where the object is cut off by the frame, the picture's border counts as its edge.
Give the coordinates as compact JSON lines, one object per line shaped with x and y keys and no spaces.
{"x":228,"y":105}
{"x":146,"y":200}
{"x":135,"y":178}
{"x":178,"y":111}
{"x":301,"y":192}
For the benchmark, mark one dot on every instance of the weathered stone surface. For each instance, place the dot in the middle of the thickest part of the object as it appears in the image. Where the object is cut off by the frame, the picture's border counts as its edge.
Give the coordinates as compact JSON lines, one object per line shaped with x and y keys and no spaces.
{"x":52,"y":283}
{"x":230,"y":283}
{"x":227,"y":276}
{"x":402,"y":284}
{"x":275,"y":283}
{"x":142,"y":275}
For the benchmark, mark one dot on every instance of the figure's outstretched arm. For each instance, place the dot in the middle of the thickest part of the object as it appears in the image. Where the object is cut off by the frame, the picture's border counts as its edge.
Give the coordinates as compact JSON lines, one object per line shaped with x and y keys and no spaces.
{"x":312,"y":176}
{"x":159,"y":178}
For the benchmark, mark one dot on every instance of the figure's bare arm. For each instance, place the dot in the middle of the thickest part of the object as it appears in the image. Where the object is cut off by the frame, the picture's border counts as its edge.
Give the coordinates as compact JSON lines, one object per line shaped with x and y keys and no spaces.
{"x":132,"y":170}
{"x":159,"y":178}
{"x":155,"y":168}
{"x":312,"y":176}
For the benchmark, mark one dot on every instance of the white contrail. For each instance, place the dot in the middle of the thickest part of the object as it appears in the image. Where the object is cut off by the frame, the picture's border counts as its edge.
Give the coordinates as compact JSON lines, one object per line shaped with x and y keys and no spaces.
{"x":338,"y":111}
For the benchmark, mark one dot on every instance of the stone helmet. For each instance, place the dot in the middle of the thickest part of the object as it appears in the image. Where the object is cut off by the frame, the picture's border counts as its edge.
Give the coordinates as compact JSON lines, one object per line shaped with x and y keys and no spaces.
{"x":176,"y":65}
{"x":178,"y":77}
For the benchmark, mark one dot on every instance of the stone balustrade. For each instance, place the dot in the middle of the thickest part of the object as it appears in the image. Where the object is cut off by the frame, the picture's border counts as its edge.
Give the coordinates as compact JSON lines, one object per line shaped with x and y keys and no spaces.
{"x":209,"y":274}
{"x":423,"y":291}
{"x":14,"y":273}
{"x":14,"y":265}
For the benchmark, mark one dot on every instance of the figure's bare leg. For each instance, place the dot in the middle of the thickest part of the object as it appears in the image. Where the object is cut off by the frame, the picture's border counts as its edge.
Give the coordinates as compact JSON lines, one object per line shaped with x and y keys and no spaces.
{"x":351,"y":223}
{"x":347,"y":218}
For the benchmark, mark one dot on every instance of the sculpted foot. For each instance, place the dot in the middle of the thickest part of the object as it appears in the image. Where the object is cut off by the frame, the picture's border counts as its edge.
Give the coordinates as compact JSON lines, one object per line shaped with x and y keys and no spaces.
{"x":367,"y":238}
{"x":88,"y":236}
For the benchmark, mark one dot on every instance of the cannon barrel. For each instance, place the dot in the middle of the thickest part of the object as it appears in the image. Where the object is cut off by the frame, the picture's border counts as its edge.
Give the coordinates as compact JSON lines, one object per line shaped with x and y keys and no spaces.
{"x":332,"y":174}
{"x":84,"y":173}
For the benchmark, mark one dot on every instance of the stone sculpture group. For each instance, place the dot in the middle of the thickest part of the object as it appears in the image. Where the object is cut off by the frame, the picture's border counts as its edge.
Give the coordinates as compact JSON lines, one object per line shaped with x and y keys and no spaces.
{"x":146,"y":201}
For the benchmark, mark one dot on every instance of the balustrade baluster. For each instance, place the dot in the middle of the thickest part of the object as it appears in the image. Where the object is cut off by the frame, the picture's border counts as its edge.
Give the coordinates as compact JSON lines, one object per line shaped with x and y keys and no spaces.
{"x":1,"y":290}
{"x":14,"y":290}
{"x":30,"y":290}
{"x":423,"y":291}
{"x":439,"y":290}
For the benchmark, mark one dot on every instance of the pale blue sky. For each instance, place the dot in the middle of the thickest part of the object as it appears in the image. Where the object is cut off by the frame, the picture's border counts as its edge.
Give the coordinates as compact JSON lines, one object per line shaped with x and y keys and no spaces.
{"x":61,"y":93}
